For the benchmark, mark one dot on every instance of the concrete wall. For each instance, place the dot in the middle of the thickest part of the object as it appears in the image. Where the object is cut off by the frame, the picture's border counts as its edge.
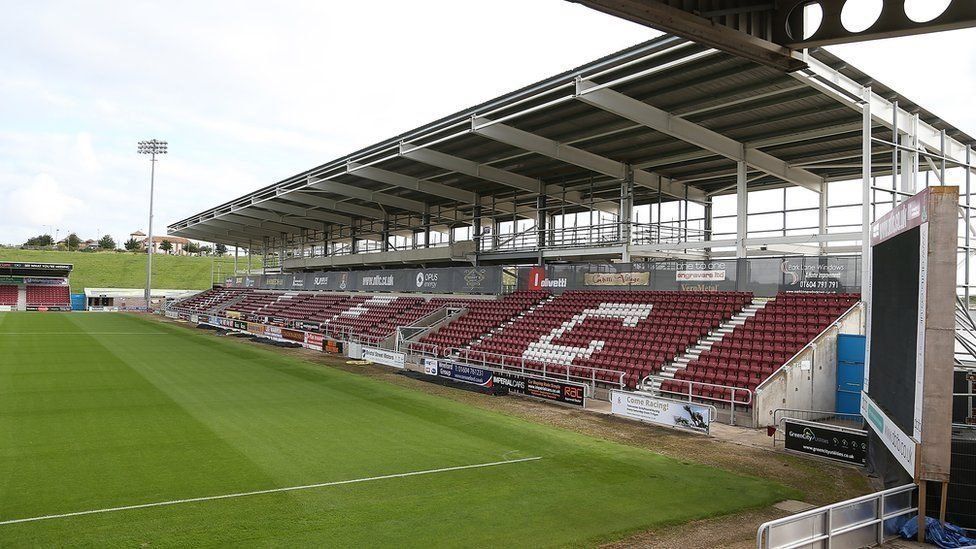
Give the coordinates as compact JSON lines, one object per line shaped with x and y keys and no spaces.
{"x":808,"y":381}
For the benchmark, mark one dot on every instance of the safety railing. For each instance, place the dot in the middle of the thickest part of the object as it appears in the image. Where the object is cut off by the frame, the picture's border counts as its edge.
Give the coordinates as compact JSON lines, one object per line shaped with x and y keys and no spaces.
{"x":737,"y":396}
{"x":860,"y":522}
{"x":421,"y":349}
{"x":568,"y":372}
{"x":584,"y":236}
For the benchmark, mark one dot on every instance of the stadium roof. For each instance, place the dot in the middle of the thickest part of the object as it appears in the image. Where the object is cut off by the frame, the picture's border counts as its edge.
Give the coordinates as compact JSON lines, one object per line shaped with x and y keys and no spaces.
{"x":674,"y":115}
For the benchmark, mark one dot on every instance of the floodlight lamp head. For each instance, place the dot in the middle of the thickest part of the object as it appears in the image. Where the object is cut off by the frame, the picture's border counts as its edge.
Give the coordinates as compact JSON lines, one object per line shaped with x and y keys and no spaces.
{"x":152,"y":146}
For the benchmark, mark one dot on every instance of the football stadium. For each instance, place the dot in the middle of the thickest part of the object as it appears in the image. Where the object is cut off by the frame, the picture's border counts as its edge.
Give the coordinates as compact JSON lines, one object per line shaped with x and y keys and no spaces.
{"x":713,"y":290}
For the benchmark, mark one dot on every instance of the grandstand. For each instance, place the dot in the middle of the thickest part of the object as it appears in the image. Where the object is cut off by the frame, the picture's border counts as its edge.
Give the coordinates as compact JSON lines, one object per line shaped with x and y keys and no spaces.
{"x":34,"y":286}
{"x":609,"y":213}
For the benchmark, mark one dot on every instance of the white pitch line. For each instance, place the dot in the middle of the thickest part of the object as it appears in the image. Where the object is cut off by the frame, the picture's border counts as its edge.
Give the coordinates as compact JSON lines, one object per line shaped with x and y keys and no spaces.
{"x":268,"y":491}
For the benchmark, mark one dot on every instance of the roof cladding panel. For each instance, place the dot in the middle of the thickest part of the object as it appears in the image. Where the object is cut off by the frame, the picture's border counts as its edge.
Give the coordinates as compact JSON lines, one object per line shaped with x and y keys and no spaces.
{"x":795,"y":119}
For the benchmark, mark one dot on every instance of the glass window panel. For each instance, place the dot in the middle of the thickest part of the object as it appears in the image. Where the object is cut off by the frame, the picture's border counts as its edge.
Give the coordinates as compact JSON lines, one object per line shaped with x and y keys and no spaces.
{"x":765,"y":201}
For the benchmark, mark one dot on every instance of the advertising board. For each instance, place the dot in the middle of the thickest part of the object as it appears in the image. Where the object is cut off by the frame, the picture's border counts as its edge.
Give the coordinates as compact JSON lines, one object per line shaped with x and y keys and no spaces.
{"x":314,"y":341}
{"x":463,"y":372}
{"x":430,"y":366}
{"x":683,"y":415}
{"x":826,"y":441}
{"x":383,"y":356}
{"x":293,"y":335}
{"x":332,"y":346}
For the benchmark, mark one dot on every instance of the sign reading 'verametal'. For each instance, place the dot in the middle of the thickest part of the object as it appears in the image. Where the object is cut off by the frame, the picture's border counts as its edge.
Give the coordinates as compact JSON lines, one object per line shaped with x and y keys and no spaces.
{"x":661,"y":411}
{"x":383,"y":356}
{"x":826,"y":441}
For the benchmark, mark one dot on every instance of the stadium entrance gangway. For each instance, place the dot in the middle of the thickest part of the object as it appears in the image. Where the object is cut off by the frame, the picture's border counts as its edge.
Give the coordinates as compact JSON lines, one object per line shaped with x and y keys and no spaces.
{"x":744,"y":399}
{"x":857,"y":522}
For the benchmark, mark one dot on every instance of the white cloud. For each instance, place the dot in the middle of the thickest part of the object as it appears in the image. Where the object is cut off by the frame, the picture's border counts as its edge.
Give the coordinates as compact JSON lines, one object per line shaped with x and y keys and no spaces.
{"x":39,"y":202}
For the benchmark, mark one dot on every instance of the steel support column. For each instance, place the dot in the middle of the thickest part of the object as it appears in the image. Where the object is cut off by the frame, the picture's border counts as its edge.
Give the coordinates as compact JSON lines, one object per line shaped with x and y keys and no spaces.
{"x":866,"y":194}
{"x":741,"y":209}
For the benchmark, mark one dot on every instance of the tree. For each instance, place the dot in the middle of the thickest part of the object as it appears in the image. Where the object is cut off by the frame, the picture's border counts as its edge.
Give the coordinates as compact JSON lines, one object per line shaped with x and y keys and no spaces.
{"x":132,"y":245}
{"x":106,"y":243}
{"x":166,"y":246}
{"x":40,"y":240}
{"x":221,"y":249}
{"x":191,"y":247}
{"x":206,"y":250}
{"x":73,"y":241}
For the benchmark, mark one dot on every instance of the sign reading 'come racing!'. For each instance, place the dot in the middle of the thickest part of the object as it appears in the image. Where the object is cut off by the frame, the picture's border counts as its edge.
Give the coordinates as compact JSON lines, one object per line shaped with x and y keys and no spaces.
{"x":683,"y":415}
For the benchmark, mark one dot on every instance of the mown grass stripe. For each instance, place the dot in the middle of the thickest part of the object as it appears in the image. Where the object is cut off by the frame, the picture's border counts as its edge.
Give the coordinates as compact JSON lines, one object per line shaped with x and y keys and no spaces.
{"x":268,"y":491}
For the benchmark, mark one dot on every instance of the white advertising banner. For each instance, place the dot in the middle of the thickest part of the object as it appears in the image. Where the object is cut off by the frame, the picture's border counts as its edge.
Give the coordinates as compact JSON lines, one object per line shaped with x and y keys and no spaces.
{"x":430,"y":366}
{"x":714,"y":275}
{"x":661,"y":411}
{"x":382,"y":356}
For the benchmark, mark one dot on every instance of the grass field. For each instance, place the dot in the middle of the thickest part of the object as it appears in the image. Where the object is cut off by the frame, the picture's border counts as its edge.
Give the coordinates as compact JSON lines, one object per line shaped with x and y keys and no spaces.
{"x":128,"y":270}
{"x":107,"y":410}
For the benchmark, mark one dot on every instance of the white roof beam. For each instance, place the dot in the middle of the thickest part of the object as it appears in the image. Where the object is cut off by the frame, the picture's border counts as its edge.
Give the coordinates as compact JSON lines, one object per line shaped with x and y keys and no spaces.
{"x":849,"y":92}
{"x":471,"y":168}
{"x":407,"y":182}
{"x":256,"y":216}
{"x":487,"y":172}
{"x":303,"y":212}
{"x":784,"y":139}
{"x":250,"y":230}
{"x":578,"y":157}
{"x":690,"y":132}
{"x":247,"y":222}
{"x":367,"y":195}
{"x":334,"y":205}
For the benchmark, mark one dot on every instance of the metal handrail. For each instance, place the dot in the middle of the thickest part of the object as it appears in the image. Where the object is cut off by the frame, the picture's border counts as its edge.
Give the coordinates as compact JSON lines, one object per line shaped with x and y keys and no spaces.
{"x":518,"y":363}
{"x":766,"y":529}
{"x":690,"y":394}
{"x":423,"y":349}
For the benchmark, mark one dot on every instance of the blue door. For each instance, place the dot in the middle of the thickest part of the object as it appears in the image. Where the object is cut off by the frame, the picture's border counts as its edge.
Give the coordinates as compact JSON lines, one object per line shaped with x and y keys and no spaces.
{"x":850,"y":373}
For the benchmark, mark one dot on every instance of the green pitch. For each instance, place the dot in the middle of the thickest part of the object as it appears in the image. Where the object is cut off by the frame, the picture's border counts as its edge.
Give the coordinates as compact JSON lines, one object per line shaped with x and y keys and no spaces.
{"x":104,"y":411}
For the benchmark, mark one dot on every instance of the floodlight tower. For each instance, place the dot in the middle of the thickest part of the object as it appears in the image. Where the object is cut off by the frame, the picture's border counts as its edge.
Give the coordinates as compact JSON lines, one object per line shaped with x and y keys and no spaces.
{"x":151,"y":147}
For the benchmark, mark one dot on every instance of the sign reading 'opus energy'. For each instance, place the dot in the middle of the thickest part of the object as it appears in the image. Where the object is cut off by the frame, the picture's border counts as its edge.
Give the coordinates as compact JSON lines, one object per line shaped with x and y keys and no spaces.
{"x":459,"y":280}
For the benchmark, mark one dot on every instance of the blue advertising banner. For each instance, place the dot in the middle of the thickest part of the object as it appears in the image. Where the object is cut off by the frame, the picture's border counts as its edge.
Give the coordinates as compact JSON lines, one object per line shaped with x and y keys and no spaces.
{"x":469,"y":374}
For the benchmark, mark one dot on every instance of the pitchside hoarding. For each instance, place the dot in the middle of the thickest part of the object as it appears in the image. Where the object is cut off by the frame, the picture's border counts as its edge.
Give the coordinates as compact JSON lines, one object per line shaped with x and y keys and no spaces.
{"x":683,"y":415}
{"x":826,"y":441}
{"x":447,"y":280}
{"x":763,"y":276}
{"x":465,"y":373}
{"x":383,"y":356}
{"x":564,"y":392}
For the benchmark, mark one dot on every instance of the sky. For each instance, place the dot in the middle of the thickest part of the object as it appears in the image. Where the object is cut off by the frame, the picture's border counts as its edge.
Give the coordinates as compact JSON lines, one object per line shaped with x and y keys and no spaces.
{"x":248,"y":93}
